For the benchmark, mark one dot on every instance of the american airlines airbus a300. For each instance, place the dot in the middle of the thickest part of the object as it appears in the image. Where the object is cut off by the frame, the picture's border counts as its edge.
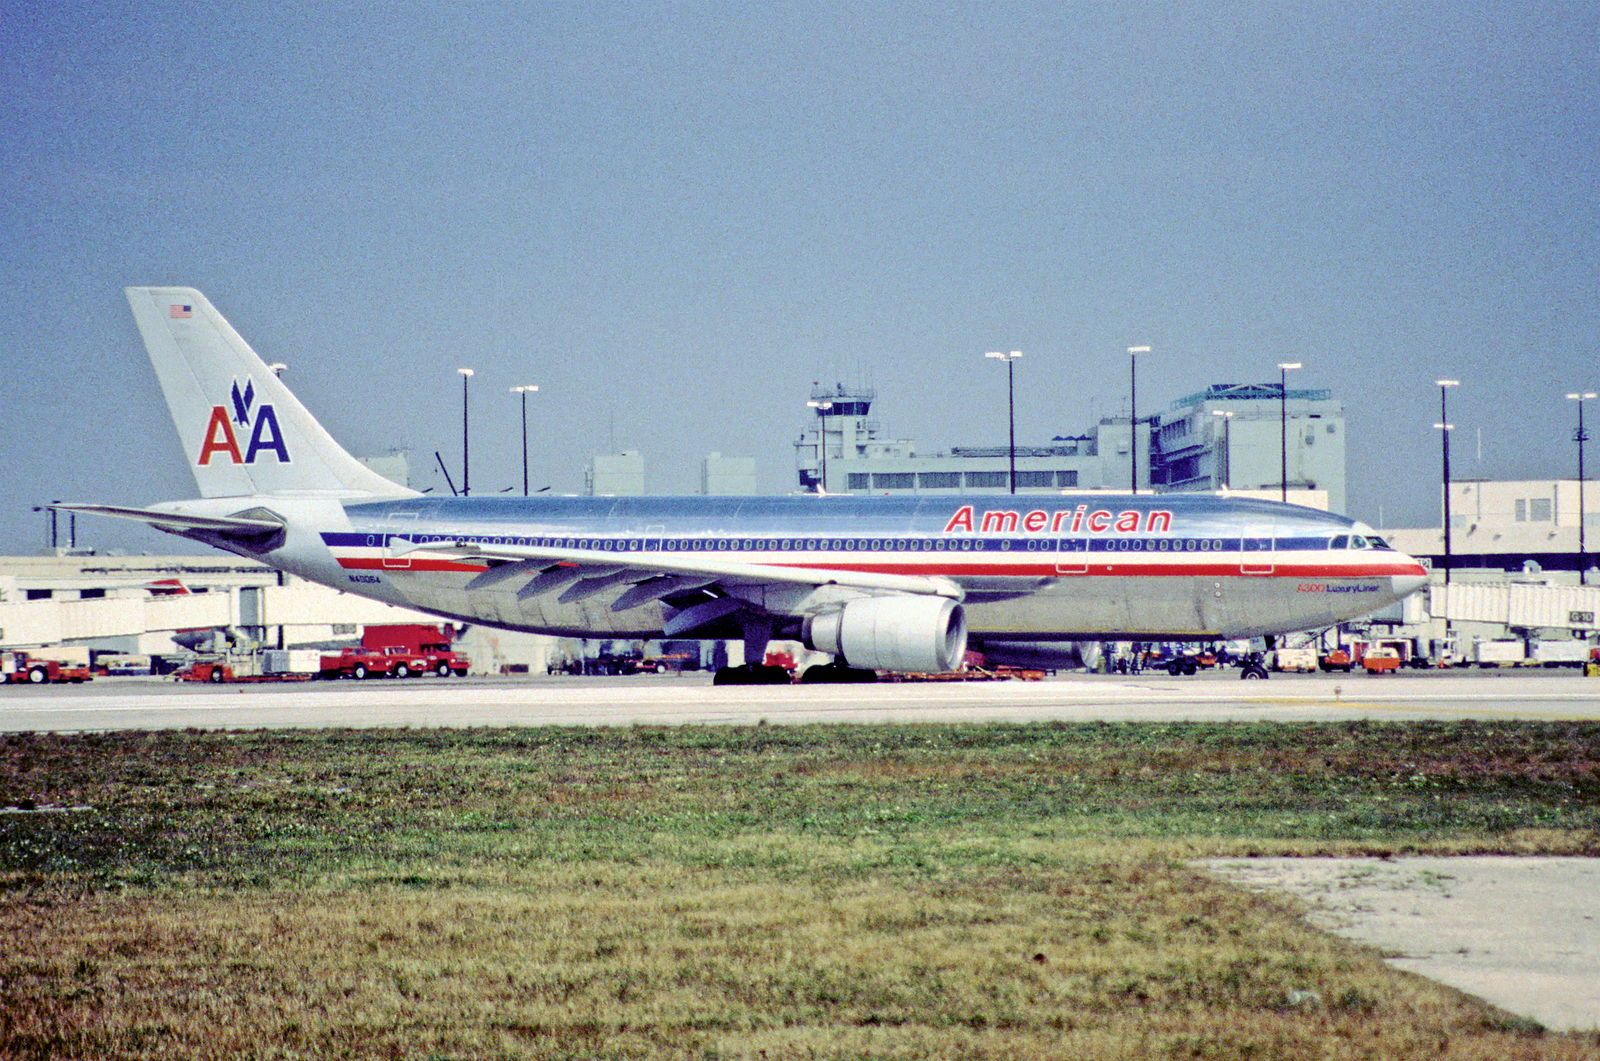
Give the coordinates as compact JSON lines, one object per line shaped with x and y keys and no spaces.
{"x":879,"y":583}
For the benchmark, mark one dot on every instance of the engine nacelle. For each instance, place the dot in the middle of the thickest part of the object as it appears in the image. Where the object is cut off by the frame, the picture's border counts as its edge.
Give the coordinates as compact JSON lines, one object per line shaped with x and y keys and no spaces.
{"x":893,"y":633}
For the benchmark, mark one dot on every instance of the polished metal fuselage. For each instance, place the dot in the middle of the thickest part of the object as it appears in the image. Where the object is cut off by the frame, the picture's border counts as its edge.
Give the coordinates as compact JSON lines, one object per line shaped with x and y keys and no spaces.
{"x":1171,"y":566}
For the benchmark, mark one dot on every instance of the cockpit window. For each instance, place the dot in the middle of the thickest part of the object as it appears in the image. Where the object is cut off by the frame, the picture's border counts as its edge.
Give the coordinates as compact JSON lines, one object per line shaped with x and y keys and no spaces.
{"x":1379,"y":543}
{"x":1341,"y":541}
{"x":1357,"y":542}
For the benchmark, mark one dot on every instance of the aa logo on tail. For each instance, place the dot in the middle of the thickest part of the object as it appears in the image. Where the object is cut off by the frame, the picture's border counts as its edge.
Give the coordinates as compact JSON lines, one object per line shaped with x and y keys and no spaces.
{"x":265,"y":435}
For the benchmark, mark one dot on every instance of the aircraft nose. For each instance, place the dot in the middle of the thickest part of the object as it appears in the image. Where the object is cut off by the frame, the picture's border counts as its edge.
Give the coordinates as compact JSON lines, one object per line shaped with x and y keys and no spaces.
{"x":1406,"y":585}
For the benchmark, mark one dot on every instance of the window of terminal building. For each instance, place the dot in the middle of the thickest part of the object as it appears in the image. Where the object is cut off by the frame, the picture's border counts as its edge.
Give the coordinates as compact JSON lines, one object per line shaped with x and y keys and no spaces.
{"x":860,"y":481}
{"x":939,"y":480}
{"x":987,"y":479}
{"x":1036,"y":479}
{"x":1539,"y":510}
{"x":1069,"y":478}
{"x":894,"y":480}
{"x":37,"y":594}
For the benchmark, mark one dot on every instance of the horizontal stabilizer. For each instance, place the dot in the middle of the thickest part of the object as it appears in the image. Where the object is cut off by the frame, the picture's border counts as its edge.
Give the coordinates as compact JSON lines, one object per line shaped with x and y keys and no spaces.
{"x":170,"y":520}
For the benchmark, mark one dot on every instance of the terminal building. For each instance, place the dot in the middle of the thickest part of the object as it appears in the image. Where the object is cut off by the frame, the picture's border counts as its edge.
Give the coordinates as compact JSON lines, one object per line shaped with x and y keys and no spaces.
{"x":1226,"y":437}
{"x":615,"y":474}
{"x":846,"y":451}
{"x":727,"y":476}
{"x":1236,"y":436}
{"x":622,"y":475}
{"x":1519,"y":526}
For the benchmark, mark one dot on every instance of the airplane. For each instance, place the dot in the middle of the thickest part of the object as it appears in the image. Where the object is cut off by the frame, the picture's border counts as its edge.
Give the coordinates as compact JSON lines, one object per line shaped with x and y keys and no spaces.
{"x":878,"y":583}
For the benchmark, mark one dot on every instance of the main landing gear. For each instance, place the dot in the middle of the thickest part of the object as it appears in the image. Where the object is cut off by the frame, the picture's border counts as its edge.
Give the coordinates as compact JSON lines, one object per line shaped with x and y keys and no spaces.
{"x":757,"y":632}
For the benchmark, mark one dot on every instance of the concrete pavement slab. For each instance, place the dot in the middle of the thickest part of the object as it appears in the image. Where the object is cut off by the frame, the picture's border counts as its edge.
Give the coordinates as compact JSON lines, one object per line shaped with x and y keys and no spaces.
{"x":1522,"y":933}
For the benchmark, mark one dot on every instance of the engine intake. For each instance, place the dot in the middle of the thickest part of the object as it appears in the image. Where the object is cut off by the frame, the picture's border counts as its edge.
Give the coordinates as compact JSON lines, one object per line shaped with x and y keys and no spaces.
{"x":893,"y":633}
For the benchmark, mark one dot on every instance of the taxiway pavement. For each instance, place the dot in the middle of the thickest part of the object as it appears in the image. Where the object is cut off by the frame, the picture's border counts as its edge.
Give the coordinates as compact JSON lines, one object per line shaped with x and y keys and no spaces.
{"x":126,"y":704}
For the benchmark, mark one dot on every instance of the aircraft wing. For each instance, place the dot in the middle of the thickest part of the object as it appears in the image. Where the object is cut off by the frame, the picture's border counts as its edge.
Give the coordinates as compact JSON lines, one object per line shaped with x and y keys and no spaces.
{"x":594,"y":565}
{"x":173,"y":521}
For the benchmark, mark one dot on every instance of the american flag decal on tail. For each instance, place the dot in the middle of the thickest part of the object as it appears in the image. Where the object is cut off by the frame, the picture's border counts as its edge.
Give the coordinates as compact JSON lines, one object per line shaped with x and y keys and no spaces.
{"x":177,"y":311}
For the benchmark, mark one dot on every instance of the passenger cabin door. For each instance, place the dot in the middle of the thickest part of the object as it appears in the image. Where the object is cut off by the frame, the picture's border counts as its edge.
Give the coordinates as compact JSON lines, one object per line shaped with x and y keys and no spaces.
{"x":1072,"y":556}
{"x":402,"y":526}
{"x":1258,"y":550}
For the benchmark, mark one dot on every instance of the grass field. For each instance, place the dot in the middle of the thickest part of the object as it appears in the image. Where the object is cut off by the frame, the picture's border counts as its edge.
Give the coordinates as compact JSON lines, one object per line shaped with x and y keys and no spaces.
{"x":952,"y":891}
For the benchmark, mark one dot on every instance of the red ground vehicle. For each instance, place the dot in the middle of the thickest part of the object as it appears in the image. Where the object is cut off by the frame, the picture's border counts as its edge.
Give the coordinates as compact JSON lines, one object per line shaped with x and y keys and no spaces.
{"x":1399,"y":648}
{"x":1381,"y":660}
{"x":206,"y":671}
{"x":1338,"y":659}
{"x":430,"y":643}
{"x":31,"y":671}
{"x":361,"y":663}
{"x":218,"y":671}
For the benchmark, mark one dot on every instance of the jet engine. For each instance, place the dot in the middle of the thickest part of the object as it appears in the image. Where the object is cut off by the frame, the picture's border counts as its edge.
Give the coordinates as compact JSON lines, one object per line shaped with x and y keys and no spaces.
{"x":892,"y":633}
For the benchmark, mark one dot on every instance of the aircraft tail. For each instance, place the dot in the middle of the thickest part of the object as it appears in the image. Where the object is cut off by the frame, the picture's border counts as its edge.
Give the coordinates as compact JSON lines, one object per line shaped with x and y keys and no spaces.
{"x":243,"y":432}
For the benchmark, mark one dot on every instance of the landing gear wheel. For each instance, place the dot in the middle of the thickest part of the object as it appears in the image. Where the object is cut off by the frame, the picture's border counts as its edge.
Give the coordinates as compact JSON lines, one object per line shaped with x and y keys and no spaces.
{"x":1253,"y":671}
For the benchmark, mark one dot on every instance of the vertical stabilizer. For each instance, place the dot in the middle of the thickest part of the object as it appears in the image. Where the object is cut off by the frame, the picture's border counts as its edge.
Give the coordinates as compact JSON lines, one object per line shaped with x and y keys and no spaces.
{"x":242,"y":431}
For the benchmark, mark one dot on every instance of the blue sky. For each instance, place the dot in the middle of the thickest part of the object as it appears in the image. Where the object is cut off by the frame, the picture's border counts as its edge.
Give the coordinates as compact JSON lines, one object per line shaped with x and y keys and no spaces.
{"x":674,"y":217}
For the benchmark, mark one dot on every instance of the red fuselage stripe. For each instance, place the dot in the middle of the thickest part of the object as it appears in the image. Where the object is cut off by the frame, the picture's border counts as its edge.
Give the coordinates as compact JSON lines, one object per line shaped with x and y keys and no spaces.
{"x":1034,"y":570}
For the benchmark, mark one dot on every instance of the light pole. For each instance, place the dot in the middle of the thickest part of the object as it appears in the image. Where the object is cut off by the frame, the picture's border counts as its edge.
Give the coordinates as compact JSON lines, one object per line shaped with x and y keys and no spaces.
{"x":822,"y":408}
{"x":1133,"y":416}
{"x":278,"y":368}
{"x":1011,"y":405}
{"x":524,"y":391}
{"x":1284,"y":368}
{"x":1445,"y":427}
{"x":1580,"y":438}
{"x":466,"y":445}
{"x":1226,"y":415}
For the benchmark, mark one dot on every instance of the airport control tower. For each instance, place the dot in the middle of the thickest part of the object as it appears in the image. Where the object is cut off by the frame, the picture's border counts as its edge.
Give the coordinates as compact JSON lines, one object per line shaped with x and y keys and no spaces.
{"x":842,"y":429}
